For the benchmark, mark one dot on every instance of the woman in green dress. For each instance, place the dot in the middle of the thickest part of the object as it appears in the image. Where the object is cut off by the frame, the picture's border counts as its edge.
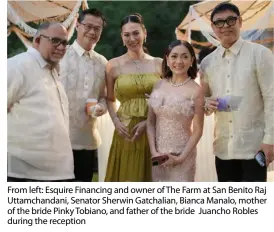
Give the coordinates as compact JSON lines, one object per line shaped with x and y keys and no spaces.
{"x":130,"y":79}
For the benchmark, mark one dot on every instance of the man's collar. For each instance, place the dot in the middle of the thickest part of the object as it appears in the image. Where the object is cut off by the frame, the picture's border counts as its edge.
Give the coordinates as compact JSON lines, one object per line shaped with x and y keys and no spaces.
{"x":38,"y":57}
{"x":235,"y":48}
{"x":41,"y":60}
{"x":80,"y":50}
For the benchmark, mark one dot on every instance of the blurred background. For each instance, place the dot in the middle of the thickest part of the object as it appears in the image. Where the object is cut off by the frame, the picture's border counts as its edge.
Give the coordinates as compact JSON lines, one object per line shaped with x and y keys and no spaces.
{"x":160,"y":18}
{"x":164,"y":21}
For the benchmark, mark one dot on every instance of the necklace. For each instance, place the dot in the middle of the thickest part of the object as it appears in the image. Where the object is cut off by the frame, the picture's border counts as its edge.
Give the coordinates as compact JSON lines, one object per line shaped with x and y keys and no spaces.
{"x":136,"y":62}
{"x":180,"y":84}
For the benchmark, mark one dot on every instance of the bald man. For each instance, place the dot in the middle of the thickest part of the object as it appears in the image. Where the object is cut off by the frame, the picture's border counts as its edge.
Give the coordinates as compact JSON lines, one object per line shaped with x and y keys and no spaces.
{"x":39,"y":147}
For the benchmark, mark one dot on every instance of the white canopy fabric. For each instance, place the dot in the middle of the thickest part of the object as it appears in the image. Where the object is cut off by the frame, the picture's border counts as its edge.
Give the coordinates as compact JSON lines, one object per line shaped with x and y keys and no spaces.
{"x":22,"y":12}
{"x":251,"y":12}
{"x":36,"y":11}
{"x":257,"y":16}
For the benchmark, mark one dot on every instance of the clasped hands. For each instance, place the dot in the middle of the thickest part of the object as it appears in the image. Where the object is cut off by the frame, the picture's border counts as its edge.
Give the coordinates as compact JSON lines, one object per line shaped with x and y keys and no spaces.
{"x":173,"y":160}
{"x":137,"y":131}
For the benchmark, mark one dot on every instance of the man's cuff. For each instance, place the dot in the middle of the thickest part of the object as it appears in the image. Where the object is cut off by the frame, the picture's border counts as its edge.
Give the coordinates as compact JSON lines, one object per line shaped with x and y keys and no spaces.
{"x":268,"y":139}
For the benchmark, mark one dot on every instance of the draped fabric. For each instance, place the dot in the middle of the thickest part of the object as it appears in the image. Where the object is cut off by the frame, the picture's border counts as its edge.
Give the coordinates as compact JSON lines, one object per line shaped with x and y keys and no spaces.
{"x":258,"y":16}
{"x":205,"y":161}
{"x":22,"y":12}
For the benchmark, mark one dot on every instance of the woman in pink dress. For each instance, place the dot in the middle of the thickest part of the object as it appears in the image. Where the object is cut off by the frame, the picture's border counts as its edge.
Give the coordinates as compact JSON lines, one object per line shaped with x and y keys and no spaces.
{"x":176,"y":115}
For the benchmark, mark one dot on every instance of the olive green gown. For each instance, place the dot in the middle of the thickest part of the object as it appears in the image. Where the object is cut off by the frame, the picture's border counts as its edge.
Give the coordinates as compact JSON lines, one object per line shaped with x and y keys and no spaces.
{"x":131,"y":161}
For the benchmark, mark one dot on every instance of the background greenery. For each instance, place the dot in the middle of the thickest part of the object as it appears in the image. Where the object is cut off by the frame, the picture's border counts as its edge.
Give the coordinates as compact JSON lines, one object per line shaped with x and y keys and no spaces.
{"x":160,"y":18}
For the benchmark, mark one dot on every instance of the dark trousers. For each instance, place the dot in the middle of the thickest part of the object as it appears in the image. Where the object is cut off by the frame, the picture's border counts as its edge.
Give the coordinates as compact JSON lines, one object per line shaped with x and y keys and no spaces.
{"x":85,"y":164}
{"x":240,"y":171}
{"x":15,"y":179}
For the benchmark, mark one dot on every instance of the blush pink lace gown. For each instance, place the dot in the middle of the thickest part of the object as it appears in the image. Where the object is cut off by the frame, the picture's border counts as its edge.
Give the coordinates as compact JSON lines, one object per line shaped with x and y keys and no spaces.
{"x":174,"y":113}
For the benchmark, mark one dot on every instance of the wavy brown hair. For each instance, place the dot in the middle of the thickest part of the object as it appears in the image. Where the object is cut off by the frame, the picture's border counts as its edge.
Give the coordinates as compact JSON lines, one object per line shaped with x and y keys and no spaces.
{"x":192,"y":71}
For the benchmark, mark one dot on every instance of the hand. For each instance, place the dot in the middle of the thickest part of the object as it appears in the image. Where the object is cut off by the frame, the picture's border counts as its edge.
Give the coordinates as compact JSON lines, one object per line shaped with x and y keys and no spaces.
{"x":147,"y":96}
{"x":211,"y":104}
{"x":138,"y":130}
{"x":121,"y":129}
{"x":158,"y":158}
{"x":172,"y":161}
{"x":9,"y":108}
{"x":155,"y":154}
{"x":99,"y":111}
{"x":268,"y":150}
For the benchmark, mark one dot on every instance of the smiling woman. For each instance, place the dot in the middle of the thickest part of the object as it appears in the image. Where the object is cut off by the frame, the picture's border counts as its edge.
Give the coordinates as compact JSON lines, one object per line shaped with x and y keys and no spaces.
{"x":133,"y":38}
{"x":130,"y":78}
{"x":176,"y":102}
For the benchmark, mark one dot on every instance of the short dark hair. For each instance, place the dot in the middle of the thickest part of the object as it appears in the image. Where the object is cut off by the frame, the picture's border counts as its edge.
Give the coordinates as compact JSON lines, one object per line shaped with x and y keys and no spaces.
{"x":134,"y":18}
{"x":223,"y":7}
{"x":94,"y":12}
{"x":192,"y":71}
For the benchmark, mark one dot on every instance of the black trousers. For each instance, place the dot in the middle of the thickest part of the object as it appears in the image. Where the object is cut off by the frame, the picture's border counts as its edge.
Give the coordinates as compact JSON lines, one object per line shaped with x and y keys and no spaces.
{"x":240,"y":171}
{"x":15,"y":179}
{"x":85,"y":164}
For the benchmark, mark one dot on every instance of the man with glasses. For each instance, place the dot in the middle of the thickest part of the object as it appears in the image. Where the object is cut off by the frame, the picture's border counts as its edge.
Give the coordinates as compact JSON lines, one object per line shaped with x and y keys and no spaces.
{"x":83,"y":76}
{"x":39,"y":148}
{"x":238,"y":81}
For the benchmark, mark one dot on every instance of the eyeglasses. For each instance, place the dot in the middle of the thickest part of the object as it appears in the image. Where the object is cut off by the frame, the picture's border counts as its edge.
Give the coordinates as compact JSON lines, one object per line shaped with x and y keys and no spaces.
{"x":88,"y":27}
{"x":230,"y":21}
{"x":56,"y":41}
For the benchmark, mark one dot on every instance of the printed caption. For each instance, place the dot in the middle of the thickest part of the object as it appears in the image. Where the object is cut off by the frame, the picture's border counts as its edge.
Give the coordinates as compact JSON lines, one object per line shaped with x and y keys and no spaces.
{"x":48,"y":205}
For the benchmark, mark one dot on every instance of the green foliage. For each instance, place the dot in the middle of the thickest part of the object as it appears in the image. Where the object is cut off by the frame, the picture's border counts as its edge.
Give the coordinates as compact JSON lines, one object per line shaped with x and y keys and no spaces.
{"x":15,"y":46}
{"x":160,"y":18}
